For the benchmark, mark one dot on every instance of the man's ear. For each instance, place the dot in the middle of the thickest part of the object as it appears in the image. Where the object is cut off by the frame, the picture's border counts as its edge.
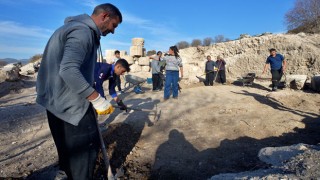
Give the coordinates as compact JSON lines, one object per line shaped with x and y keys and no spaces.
{"x":105,"y":16}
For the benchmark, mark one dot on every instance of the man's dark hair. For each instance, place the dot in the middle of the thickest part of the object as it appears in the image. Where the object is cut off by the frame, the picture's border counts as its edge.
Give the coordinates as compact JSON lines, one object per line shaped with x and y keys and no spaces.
{"x":159,"y":52}
{"x":124,"y":63}
{"x":272,"y":49}
{"x":110,"y":8}
{"x":116,"y":52}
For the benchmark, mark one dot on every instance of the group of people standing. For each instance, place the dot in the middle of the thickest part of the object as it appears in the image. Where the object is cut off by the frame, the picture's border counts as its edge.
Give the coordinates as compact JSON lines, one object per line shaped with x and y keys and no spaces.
{"x":171,"y":64}
{"x":215,"y":69}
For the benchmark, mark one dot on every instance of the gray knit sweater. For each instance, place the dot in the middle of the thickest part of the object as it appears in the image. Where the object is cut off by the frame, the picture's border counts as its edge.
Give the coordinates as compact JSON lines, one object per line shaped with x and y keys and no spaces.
{"x":65,"y":77}
{"x":172,"y":63}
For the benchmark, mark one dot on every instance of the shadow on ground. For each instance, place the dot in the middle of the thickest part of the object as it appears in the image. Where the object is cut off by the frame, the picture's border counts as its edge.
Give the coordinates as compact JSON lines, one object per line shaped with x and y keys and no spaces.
{"x":179,"y":159}
{"x":16,"y":86}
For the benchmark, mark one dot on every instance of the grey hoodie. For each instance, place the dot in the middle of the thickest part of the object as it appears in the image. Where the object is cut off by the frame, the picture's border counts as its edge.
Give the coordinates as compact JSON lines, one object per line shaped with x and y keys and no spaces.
{"x":65,"y":77}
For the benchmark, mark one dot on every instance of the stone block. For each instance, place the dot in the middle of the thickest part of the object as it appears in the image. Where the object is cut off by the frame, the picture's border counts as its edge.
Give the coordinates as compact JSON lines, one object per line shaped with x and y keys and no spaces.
{"x":123,"y":53}
{"x":2,"y":76}
{"x":137,"y":42}
{"x":109,"y":53}
{"x":145,"y":68}
{"x":12,"y":72}
{"x":136,"y":51}
{"x":144,"y":61}
{"x":135,"y":68}
{"x":128,"y":58}
{"x":295,"y":81}
{"x":315,"y":83}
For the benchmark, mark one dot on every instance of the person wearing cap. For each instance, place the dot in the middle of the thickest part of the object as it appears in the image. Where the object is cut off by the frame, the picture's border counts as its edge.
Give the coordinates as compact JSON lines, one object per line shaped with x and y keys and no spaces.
{"x":221,"y":72}
{"x":277,"y":65}
{"x":65,"y":88}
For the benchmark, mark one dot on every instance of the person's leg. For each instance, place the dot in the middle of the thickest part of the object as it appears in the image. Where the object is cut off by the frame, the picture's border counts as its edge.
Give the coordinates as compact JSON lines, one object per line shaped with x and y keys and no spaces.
{"x":211,"y":77}
{"x":56,"y":126}
{"x":167,"y":87}
{"x":118,"y":82}
{"x":206,"y":83}
{"x":275,"y":76}
{"x":154,"y":82}
{"x":175,"y":87}
{"x":161,"y":78}
{"x":219,"y":76}
{"x":81,"y":146}
{"x":83,"y":143}
{"x":223,"y":76}
{"x":158,"y":82}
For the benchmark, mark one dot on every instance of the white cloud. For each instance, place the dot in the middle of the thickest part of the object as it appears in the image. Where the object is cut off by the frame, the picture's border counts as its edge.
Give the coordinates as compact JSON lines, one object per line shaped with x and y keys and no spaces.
{"x":153,"y":28}
{"x":10,"y":28}
{"x":20,"y":50}
{"x":90,"y":3}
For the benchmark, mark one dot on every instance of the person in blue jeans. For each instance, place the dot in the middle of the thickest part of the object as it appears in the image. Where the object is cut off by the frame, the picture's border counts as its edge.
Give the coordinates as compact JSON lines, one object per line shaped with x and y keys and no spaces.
{"x":277,"y":65}
{"x":173,"y":64}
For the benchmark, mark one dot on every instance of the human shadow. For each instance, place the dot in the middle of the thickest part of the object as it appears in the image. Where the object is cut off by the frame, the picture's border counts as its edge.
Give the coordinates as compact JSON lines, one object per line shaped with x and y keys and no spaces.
{"x":122,"y":137}
{"x":179,"y":159}
{"x":254,"y":85}
{"x":274,"y":103}
{"x":174,"y":158}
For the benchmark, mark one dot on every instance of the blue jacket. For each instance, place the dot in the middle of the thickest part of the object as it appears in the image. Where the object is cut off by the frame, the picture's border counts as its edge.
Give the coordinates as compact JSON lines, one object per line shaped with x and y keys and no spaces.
{"x":65,"y":77}
{"x":103,"y":72}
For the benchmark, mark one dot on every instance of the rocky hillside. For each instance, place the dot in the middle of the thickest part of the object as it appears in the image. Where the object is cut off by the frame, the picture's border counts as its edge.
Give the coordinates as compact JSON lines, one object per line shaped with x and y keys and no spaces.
{"x":248,"y":54}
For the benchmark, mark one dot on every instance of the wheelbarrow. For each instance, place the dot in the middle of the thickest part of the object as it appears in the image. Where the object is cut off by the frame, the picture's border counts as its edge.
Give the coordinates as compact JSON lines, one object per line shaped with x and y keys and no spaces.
{"x":134,"y":81}
{"x":247,"y":79}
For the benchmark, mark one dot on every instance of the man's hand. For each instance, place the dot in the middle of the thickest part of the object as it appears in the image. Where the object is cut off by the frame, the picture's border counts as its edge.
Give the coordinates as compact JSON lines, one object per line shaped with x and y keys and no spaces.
{"x":102,"y":106}
{"x":283,"y":70}
{"x":122,"y":106}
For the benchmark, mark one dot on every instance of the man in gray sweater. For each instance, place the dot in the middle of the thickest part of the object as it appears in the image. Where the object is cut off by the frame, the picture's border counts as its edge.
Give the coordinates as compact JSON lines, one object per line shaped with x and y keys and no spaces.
{"x":65,"y":88}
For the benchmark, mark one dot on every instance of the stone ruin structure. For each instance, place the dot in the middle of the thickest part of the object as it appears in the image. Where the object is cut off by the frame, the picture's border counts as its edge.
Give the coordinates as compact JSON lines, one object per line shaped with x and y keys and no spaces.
{"x":137,"y":57}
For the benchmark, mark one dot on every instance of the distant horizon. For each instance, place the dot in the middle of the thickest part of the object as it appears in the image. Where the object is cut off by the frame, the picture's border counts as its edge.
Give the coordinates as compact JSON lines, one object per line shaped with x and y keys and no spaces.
{"x":161,"y":26}
{"x":128,"y":51}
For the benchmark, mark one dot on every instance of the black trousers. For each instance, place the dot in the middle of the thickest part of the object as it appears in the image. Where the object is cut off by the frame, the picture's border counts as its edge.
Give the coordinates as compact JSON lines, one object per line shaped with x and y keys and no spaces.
{"x":77,"y":146}
{"x":209,"y":78}
{"x":156,"y":81}
{"x":276,"y":77}
{"x":118,"y":82}
{"x":222,"y":76}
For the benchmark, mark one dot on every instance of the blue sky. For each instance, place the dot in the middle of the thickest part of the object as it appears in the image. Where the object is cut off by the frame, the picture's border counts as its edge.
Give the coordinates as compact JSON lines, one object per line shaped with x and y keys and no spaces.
{"x":26,"y":25}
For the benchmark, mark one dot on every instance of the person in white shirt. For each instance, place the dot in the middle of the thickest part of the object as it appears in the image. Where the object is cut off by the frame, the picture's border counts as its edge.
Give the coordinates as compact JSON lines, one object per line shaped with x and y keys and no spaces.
{"x":118,"y":79}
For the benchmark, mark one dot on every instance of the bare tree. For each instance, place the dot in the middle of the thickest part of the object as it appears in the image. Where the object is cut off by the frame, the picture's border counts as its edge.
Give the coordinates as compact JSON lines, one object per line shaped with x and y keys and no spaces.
{"x":304,"y":17}
{"x":219,"y":39}
{"x":227,"y":39}
{"x":182,"y":45}
{"x":196,"y":43}
{"x":152,"y":52}
{"x":207,"y":41}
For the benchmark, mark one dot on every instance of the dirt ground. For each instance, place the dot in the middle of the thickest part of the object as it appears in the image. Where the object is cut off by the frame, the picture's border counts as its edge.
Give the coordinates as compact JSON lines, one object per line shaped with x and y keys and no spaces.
{"x":207,"y":131}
